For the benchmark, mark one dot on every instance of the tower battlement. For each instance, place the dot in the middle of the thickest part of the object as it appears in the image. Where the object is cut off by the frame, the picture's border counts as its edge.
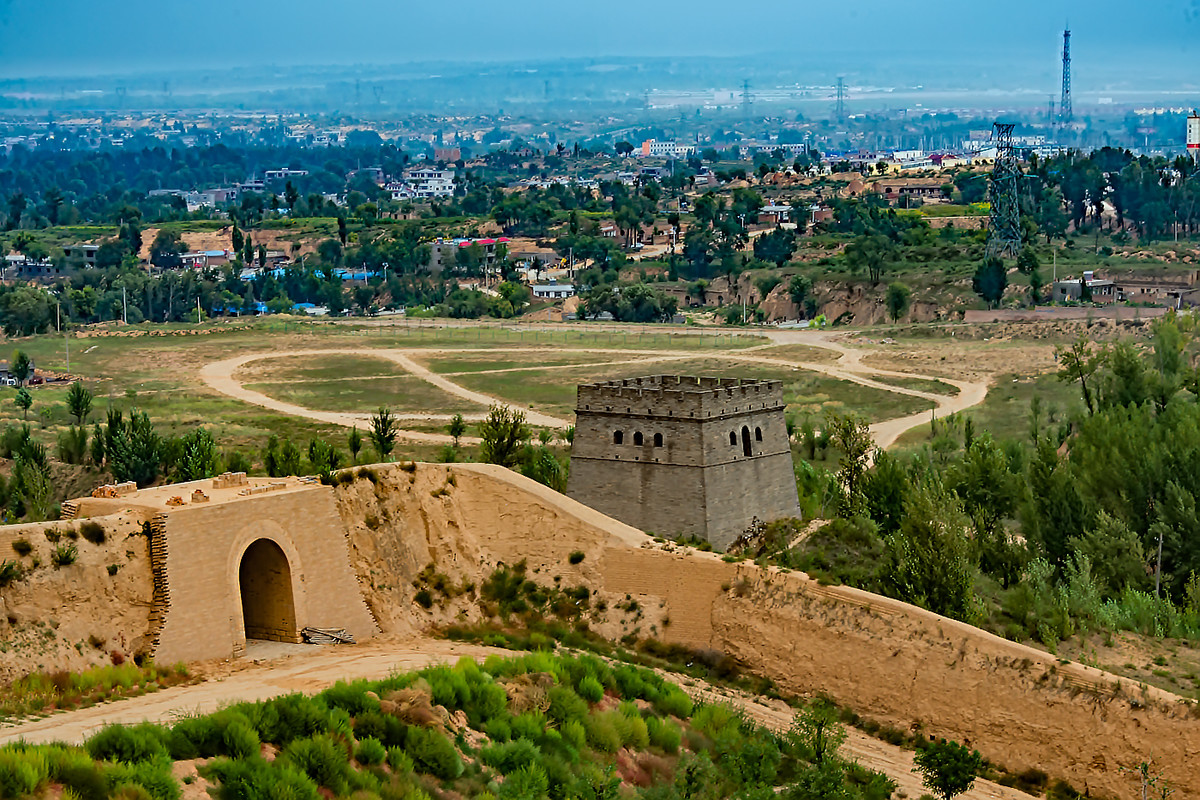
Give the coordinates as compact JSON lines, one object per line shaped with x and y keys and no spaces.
{"x":675,"y":396}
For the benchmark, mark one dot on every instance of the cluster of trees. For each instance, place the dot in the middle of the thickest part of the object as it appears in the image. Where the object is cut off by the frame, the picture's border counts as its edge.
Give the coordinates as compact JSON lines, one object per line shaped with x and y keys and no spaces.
{"x":1018,"y":536}
{"x":1149,"y":195}
{"x":49,"y":186}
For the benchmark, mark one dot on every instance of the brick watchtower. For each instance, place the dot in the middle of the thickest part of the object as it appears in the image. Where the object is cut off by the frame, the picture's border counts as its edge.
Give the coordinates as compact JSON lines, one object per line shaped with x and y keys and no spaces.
{"x":677,"y":455}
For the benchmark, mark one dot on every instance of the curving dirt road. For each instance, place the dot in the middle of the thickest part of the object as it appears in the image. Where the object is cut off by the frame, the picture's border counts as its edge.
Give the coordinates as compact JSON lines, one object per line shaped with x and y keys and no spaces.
{"x":219,"y":376}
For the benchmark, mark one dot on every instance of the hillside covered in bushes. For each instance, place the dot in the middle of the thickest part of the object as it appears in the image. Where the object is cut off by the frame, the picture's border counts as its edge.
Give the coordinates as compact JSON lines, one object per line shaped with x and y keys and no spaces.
{"x":537,"y":726}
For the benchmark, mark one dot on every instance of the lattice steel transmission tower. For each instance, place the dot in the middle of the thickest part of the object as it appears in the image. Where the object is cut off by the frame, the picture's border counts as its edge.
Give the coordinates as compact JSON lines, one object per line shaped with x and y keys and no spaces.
{"x":747,"y":100}
{"x":1004,"y":233}
{"x":841,"y":98}
{"x":1066,"y":112}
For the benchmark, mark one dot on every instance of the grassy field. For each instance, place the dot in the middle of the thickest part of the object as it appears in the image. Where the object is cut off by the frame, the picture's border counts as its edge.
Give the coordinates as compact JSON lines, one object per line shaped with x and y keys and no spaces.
{"x":1005,"y":411}
{"x":806,"y":393}
{"x":919,"y":384}
{"x":159,"y":374}
{"x":800,"y":352}
{"x":364,"y":395}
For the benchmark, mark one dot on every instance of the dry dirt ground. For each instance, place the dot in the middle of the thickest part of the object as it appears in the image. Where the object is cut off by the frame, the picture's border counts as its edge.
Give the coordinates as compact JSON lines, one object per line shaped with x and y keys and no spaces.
{"x":850,"y":365}
{"x":271,"y":669}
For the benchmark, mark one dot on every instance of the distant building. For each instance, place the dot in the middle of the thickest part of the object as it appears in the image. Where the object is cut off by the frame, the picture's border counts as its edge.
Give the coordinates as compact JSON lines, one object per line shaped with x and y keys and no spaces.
{"x":373,"y":173}
{"x":427,"y":182}
{"x":284,"y":174}
{"x":443,"y":253}
{"x":775,"y":213}
{"x":18,"y":266}
{"x":652,"y":148}
{"x":553,"y":291}
{"x":85,"y":254}
{"x":927,"y":189}
{"x":202,"y":259}
{"x":1193,"y":136}
{"x":447,"y":154}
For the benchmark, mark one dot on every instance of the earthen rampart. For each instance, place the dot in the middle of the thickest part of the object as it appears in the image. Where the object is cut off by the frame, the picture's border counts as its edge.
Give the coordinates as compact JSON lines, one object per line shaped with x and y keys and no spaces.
{"x":886,"y":660}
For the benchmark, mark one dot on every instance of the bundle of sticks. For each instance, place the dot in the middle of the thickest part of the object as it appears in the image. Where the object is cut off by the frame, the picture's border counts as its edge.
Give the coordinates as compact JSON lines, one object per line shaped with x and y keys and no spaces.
{"x":326,"y":636}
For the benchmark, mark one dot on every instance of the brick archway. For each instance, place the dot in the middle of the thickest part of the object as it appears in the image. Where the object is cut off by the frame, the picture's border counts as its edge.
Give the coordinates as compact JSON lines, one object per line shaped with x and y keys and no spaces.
{"x":266,"y":593}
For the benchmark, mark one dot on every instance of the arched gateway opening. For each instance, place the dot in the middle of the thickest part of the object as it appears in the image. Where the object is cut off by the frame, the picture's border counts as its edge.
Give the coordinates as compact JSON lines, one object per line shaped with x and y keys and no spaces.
{"x":265,"y":580}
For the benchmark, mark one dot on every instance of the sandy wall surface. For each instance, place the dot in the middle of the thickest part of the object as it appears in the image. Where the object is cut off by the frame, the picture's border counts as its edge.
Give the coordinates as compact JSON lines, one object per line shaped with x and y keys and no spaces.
{"x":884,"y":659}
{"x":74,"y":616}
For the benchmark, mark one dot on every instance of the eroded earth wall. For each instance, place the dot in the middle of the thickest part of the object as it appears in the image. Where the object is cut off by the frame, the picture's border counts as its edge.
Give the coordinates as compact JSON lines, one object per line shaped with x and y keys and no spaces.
{"x":887,"y":660}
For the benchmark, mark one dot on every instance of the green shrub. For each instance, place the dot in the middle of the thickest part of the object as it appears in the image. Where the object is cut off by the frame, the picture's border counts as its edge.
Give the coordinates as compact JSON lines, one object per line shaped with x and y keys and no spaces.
{"x":602,"y":733}
{"x":590,"y":689}
{"x":322,"y":759}
{"x":574,"y":734}
{"x":423,"y":598}
{"x":531,"y":725}
{"x":129,"y":744}
{"x":511,"y":756}
{"x":448,"y":687}
{"x":92,"y":531}
{"x":528,"y":783}
{"x":65,"y":554}
{"x":293,"y":716}
{"x":433,"y":753}
{"x":22,"y":547}
{"x":398,"y":760}
{"x":352,"y":697}
{"x":10,"y":572}
{"x":370,"y":751}
{"x":149,"y":780}
{"x":240,"y":740}
{"x":576,"y":557}
{"x":21,"y":773}
{"x":634,"y":733}
{"x":491,"y":701}
{"x":498,"y":730}
{"x":664,"y":734}
{"x":674,"y":701}
{"x":255,"y":778}
{"x":566,"y":705}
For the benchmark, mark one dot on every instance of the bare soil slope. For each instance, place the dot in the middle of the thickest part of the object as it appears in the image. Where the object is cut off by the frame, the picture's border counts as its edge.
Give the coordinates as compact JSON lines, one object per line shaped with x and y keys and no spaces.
{"x":75,"y":615}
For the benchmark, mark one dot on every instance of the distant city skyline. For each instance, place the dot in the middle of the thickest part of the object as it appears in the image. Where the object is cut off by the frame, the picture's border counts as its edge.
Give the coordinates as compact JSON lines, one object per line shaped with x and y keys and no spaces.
{"x":73,"y":37}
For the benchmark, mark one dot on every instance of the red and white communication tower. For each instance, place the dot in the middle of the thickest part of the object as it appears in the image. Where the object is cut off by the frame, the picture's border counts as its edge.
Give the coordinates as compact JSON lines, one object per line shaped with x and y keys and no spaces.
{"x":1193,"y":136}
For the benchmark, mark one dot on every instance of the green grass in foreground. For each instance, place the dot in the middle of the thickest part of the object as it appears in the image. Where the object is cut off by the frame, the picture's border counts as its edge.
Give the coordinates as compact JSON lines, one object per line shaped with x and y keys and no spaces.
{"x":44,"y":692}
{"x":521,"y":728}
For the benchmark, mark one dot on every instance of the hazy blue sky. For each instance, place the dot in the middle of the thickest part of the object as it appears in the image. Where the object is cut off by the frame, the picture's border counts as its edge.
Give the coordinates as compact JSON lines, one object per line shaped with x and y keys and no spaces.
{"x":39,"y":37}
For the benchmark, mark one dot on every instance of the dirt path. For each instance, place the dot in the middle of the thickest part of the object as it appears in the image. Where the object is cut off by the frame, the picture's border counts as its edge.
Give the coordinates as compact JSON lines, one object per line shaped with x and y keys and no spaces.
{"x":271,"y":669}
{"x":304,"y":668}
{"x":220,"y":377}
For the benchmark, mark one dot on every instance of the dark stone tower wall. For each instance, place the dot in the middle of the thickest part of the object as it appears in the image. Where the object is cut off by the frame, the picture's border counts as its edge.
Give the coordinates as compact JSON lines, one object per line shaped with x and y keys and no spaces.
{"x":695,"y":479}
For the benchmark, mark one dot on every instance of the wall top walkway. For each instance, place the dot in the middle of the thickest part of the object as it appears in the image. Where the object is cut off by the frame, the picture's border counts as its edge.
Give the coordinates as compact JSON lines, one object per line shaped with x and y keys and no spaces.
{"x":159,"y":499}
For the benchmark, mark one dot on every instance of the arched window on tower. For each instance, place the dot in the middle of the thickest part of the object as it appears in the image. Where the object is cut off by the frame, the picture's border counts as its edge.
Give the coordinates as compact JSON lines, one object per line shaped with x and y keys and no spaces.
{"x":658,"y":440}
{"x":758,"y":434}
{"x":733,"y":438}
{"x":618,"y":437}
{"x":637,"y":439}
{"x":746,"y":441}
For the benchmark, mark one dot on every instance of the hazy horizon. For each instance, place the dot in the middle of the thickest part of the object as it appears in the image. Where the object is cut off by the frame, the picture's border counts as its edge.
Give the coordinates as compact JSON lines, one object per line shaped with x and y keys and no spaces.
{"x":83,"y":39}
